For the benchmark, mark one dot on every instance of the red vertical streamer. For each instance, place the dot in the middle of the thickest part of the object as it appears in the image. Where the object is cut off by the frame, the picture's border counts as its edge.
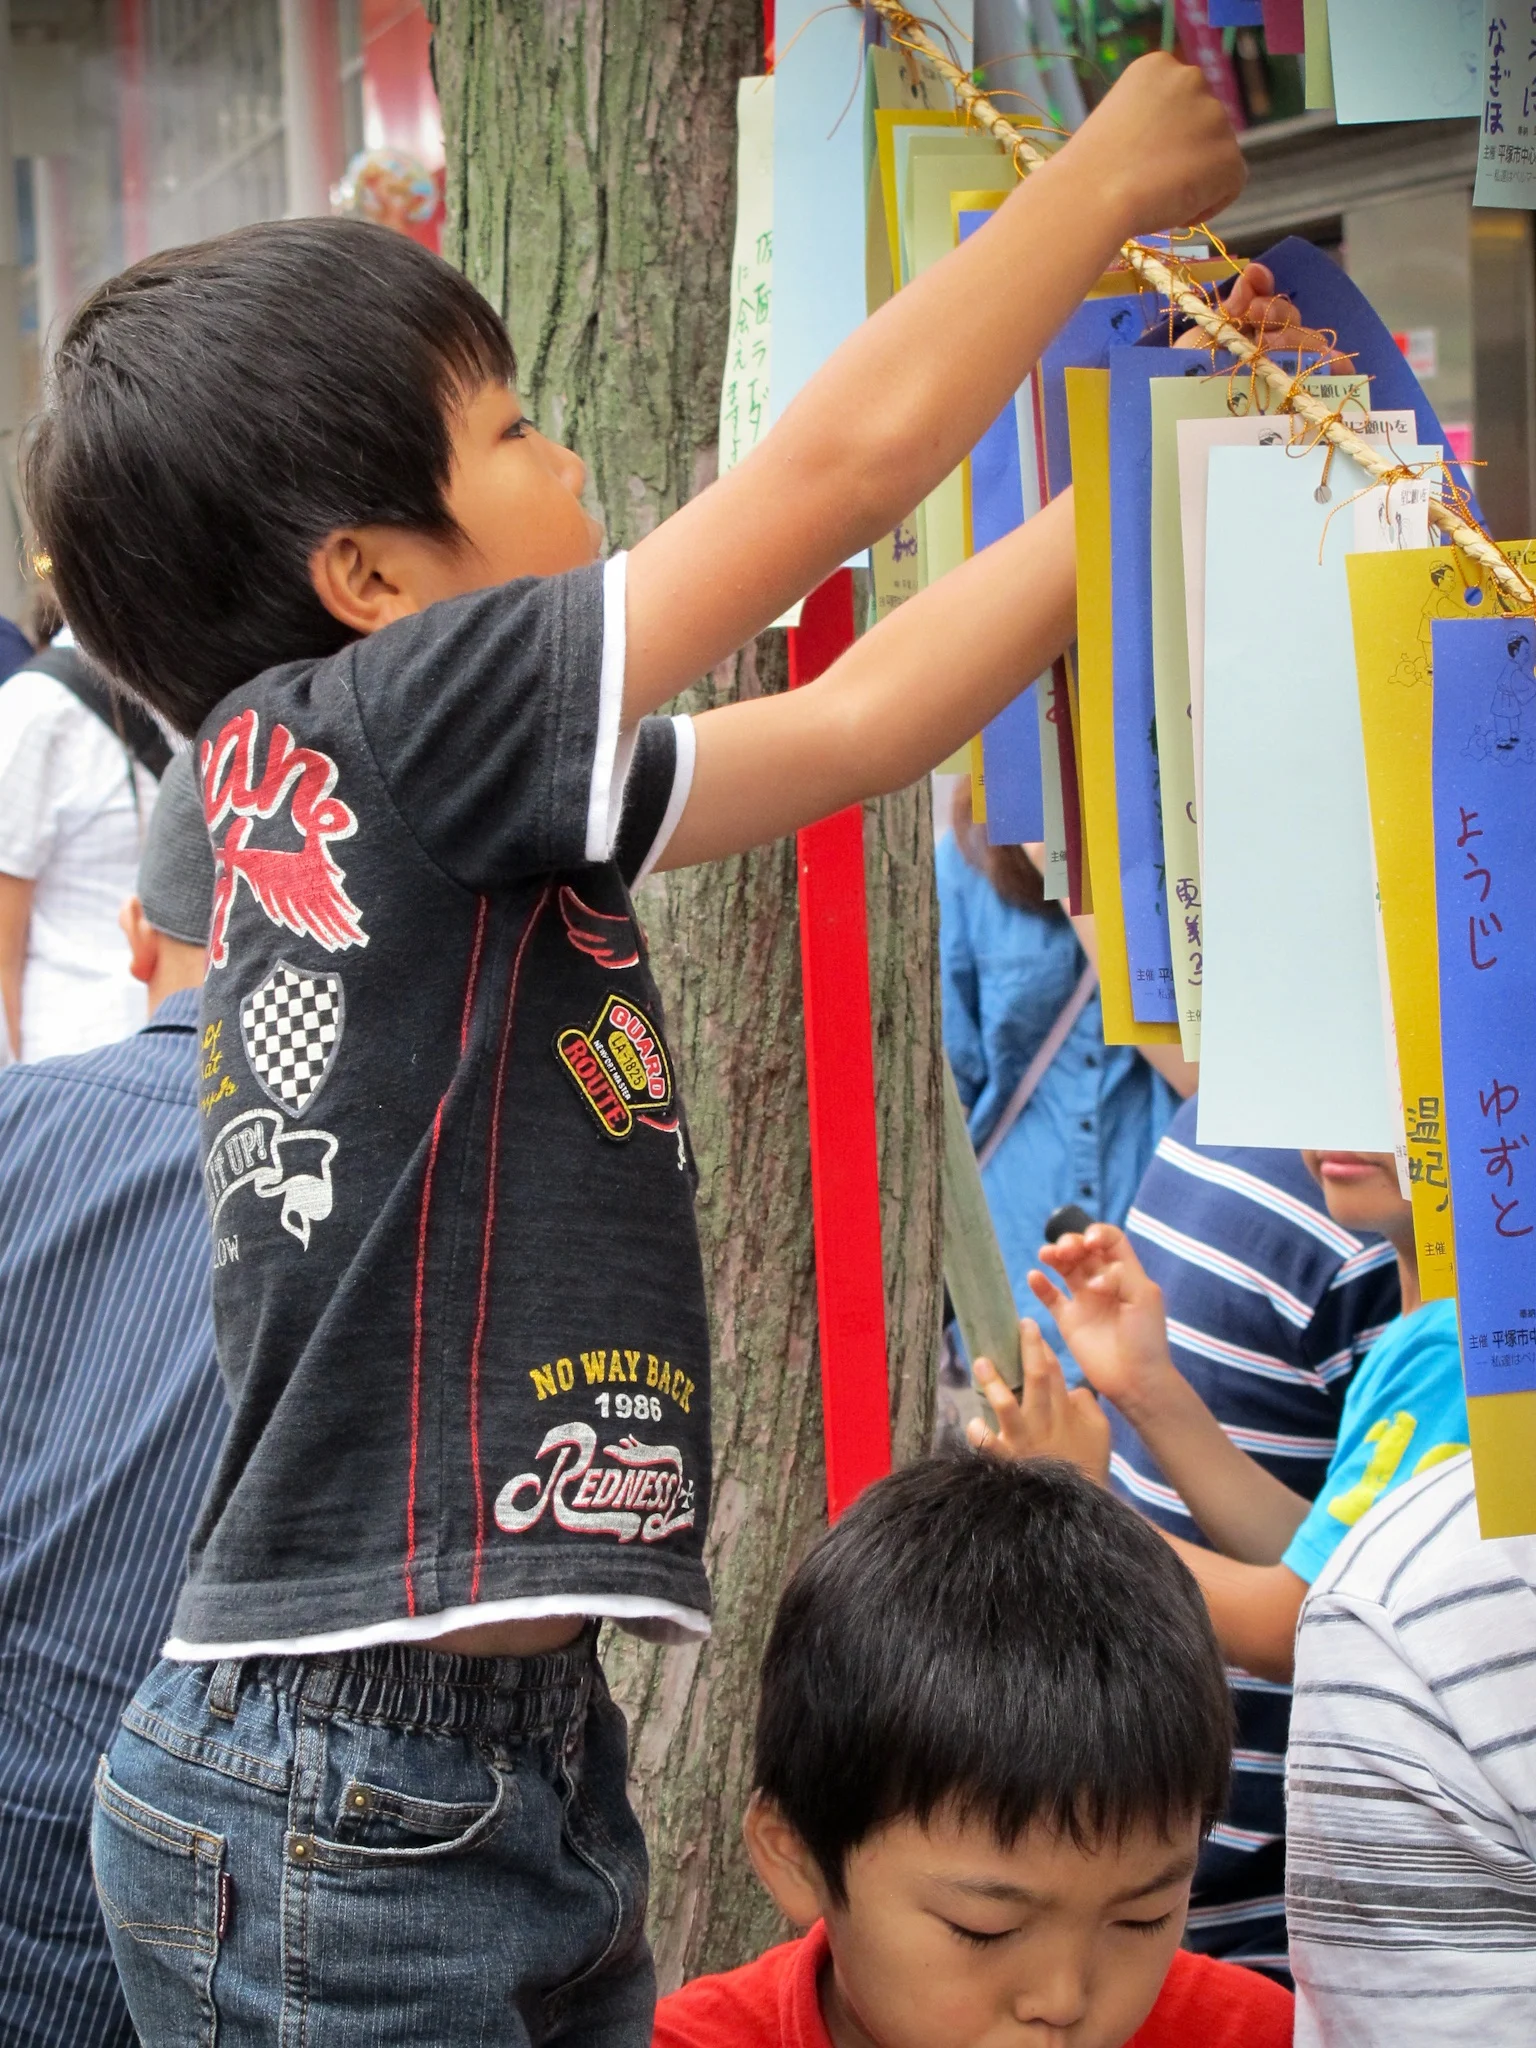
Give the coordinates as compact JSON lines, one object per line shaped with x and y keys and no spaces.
{"x":840,"y":1069}
{"x":133,"y":125}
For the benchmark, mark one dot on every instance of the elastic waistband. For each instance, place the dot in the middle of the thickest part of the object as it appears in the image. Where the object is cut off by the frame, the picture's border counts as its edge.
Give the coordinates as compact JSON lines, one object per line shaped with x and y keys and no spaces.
{"x":409,"y":1687}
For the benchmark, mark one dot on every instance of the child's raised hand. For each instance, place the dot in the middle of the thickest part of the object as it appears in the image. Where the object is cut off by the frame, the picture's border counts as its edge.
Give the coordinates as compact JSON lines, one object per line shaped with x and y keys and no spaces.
{"x":1163,"y":152}
{"x":1253,"y":305}
{"x":1046,"y":1419}
{"x":1110,"y":1313}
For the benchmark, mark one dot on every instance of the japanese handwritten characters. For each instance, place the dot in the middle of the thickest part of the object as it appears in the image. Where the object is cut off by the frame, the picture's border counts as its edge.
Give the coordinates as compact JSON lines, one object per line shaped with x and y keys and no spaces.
{"x":1485,"y":855}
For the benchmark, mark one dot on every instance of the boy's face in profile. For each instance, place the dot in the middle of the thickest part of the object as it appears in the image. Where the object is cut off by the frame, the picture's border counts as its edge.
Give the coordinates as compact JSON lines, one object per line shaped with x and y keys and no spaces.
{"x":515,"y":495}
{"x":516,"y":498}
{"x":950,"y":1940}
{"x":1361,"y":1190}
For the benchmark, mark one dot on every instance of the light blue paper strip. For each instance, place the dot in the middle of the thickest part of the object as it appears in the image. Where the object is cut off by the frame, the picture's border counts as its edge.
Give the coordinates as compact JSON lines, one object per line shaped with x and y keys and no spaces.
{"x":1293,"y":1043}
{"x":1485,"y":890}
{"x":818,"y":191}
{"x":1415,"y":60}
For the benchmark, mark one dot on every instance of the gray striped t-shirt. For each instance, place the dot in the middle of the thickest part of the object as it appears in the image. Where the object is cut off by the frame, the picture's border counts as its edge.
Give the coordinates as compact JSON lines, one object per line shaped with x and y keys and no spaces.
{"x":1411,"y":1780}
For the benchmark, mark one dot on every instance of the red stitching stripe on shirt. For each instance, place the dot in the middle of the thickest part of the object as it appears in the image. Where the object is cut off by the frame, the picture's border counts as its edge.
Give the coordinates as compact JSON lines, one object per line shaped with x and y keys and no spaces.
{"x":421,"y":1257}
{"x":490,"y":1231}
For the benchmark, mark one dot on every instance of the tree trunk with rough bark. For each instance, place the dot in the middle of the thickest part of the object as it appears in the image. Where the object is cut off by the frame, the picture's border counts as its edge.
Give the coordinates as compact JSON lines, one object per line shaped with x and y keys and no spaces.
{"x":591,"y":197}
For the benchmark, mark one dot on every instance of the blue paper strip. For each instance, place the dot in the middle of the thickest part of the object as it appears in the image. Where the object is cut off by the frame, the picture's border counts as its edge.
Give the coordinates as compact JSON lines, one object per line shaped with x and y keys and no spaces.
{"x":1084,"y":343}
{"x":1485,"y":885}
{"x":1138,"y":791}
{"x":1326,"y":298}
{"x":1010,"y":744}
{"x":1236,"y":13}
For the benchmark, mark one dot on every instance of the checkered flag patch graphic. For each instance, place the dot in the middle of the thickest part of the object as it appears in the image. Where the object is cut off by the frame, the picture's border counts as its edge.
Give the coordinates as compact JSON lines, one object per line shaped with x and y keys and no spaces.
{"x":291,"y":1026}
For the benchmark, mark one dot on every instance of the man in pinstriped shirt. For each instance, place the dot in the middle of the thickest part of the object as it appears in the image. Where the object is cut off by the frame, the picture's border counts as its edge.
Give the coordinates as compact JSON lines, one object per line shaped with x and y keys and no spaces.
{"x":110,"y":1417}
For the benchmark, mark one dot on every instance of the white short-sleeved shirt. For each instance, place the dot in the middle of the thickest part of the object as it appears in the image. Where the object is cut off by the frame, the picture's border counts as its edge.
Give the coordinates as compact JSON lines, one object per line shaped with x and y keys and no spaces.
{"x":73,"y":808}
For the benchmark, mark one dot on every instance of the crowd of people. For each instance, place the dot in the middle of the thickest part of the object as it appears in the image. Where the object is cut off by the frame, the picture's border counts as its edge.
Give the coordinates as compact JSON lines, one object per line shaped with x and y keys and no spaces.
{"x":353,"y":1348}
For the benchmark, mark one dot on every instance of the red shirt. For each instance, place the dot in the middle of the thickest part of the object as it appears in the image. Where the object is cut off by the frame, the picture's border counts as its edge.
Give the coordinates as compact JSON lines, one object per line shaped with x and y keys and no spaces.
{"x":773,"y":2003}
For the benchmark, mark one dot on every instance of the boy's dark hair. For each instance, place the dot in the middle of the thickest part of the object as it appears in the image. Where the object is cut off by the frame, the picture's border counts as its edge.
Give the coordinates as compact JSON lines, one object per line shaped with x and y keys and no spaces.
{"x":215,"y":411}
{"x":1005,"y":1639}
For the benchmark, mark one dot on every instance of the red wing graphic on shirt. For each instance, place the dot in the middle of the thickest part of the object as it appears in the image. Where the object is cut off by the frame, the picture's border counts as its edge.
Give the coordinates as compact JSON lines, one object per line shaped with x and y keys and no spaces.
{"x":300,"y":889}
{"x":609,"y":940}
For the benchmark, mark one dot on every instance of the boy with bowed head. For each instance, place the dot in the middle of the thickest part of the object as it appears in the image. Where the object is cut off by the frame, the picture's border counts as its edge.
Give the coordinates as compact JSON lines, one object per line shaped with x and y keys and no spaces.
{"x":992,"y":1730}
{"x":457,"y":1285}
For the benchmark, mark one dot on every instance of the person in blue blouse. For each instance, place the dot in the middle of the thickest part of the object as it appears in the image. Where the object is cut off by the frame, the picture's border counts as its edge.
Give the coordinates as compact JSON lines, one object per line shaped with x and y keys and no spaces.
{"x":1010,"y":964}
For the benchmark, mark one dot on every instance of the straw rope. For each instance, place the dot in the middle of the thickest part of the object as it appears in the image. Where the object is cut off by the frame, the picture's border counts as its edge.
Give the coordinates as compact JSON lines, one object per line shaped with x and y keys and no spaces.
{"x":1169,"y":277}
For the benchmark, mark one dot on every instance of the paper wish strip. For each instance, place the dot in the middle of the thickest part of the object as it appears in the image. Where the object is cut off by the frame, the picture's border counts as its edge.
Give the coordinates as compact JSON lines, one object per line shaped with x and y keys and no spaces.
{"x":744,"y":391}
{"x":1417,"y":60}
{"x":818,"y":192}
{"x":1215,"y":397}
{"x":1088,"y":416}
{"x":1506,"y":147}
{"x":1485,"y":867}
{"x":1196,"y":438}
{"x":1010,"y":743}
{"x":1140,"y":790}
{"x":1395,"y":600}
{"x":1293,"y":1047}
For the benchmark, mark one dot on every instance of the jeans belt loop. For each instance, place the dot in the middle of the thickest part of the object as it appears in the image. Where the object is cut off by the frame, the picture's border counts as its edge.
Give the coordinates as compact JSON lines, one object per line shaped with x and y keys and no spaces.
{"x":224,"y":1689}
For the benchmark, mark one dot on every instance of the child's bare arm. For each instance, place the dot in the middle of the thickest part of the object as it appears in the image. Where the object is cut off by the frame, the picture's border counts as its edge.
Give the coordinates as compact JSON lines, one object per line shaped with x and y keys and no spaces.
{"x":1254,"y":1609}
{"x":910,"y":393}
{"x":1112,"y":1317}
{"x":905,"y":695}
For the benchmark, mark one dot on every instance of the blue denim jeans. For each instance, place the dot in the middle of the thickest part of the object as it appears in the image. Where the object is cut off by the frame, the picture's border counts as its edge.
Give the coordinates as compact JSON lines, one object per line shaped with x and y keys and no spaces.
{"x":386,"y":1846}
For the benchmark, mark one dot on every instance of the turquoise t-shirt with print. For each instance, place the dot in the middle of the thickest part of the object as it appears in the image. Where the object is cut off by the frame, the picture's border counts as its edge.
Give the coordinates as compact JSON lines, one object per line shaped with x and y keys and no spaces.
{"x":1406,"y":1408}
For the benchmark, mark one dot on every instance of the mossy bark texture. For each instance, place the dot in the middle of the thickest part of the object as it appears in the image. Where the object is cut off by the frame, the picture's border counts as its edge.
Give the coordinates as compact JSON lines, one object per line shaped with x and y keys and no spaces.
{"x":591,"y":197}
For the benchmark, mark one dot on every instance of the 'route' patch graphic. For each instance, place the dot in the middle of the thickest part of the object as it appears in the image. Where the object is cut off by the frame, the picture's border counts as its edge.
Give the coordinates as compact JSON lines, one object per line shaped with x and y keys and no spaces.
{"x":620,"y":1068}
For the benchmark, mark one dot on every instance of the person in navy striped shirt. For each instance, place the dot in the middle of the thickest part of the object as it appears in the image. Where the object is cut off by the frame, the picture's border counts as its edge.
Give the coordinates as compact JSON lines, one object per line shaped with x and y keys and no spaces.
{"x":1270,"y":1306}
{"x":111,"y":1415}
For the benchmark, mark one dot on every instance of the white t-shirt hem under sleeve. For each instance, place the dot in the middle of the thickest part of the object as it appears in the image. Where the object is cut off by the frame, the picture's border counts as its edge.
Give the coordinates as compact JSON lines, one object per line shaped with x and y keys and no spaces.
{"x":658,"y":1621}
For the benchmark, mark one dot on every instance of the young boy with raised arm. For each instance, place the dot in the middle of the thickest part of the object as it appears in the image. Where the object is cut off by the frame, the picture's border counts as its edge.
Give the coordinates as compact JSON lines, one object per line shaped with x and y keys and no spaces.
{"x":1405,"y":1409}
{"x":376,"y":1788}
{"x":993,"y":1728}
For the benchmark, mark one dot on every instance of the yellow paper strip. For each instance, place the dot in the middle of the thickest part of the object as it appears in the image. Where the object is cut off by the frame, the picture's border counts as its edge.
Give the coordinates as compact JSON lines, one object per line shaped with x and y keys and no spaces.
{"x":1088,"y":427}
{"x":1502,"y":1432}
{"x":976,"y":763}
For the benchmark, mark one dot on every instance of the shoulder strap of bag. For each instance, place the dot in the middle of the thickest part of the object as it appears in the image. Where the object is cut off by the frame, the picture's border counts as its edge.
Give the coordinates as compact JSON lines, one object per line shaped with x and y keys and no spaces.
{"x":130,"y":722}
{"x":1036,"y":1071}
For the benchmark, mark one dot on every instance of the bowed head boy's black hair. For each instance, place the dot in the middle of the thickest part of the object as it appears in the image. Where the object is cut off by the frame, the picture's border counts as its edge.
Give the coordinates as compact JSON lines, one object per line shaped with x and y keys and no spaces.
{"x":1005,"y":1641}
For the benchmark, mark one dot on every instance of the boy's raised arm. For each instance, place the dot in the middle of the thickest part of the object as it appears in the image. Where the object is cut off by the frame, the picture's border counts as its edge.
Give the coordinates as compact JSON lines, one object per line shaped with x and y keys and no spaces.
{"x":903,"y":696}
{"x":906,"y":397}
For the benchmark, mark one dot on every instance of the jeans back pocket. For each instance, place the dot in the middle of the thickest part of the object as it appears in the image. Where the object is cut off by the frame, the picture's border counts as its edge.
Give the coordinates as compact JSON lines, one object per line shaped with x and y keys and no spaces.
{"x":163,"y":1892}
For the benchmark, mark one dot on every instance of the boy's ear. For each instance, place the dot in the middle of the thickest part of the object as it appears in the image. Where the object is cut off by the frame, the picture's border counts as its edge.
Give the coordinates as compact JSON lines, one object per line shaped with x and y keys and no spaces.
{"x":790,"y":1873}
{"x":143,"y":941}
{"x":363,"y":576}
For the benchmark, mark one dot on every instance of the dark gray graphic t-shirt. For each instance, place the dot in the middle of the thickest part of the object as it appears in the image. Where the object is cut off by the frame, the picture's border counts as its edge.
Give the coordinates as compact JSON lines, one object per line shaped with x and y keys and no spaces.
{"x":456,"y":1276}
